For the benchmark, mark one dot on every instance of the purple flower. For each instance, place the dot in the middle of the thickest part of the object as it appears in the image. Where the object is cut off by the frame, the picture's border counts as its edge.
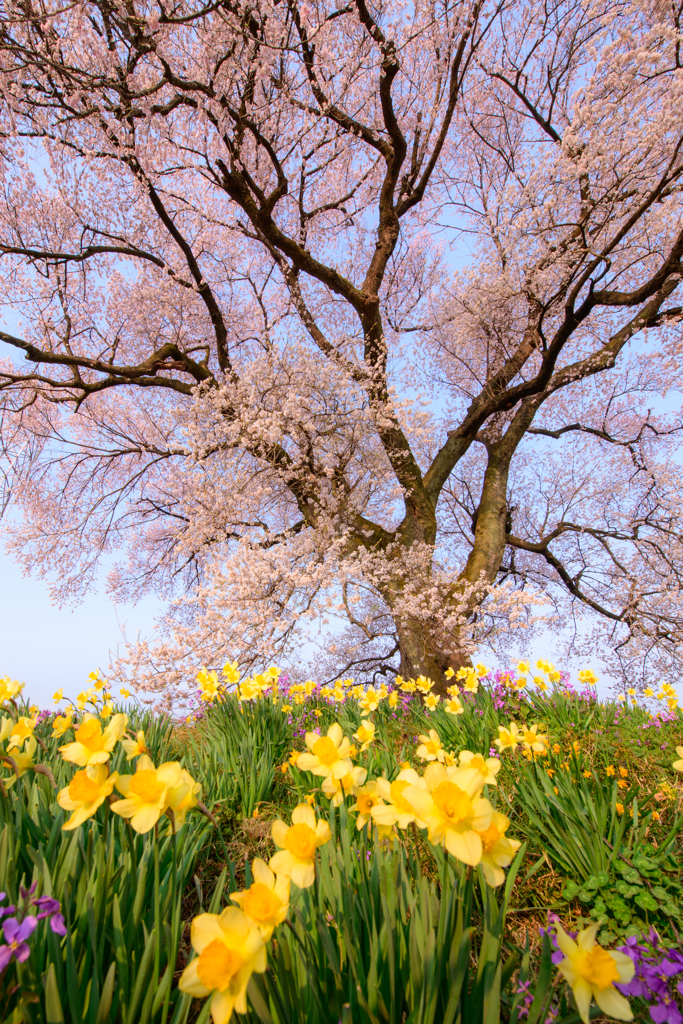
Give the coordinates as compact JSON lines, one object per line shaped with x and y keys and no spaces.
{"x":666,"y":1012}
{"x":15,"y":935}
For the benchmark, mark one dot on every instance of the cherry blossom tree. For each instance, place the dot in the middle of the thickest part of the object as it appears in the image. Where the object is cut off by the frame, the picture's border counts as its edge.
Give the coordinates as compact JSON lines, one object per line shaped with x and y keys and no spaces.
{"x":353,"y":318}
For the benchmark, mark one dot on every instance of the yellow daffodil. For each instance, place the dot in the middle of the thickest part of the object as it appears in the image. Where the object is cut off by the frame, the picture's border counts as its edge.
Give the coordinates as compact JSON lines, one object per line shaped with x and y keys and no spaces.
{"x":471,"y":684}
{"x":431,"y":701}
{"x":327,"y":755}
{"x":392,"y":700}
{"x":396,"y":810}
{"x":423,"y":684}
{"x":107,"y":711}
{"x":230,"y":950}
{"x":91,"y":744}
{"x":62,"y":723}
{"x":209,"y":686}
{"x":294,"y":758}
{"x":298,"y":843}
{"x":367,"y":797}
{"x":648,"y":691}
{"x":408,"y":686}
{"x":450,"y":759}
{"x":497,"y":850}
{"x":134,"y":748}
{"x":58,"y":695}
{"x":87,"y":790}
{"x":533,"y":740}
{"x":678,"y":765}
{"x":365,"y":735}
{"x":231,"y":673}
{"x":587,"y":677}
{"x":488,"y":767}
{"x":454,"y":706}
{"x":17,"y":733}
{"x":510,"y":738}
{"x":431,"y":748}
{"x":286,"y":708}
{"x":183,"y":797}
{"x":124,"y":693}
{"x":481,"y":670}
{"x":23,"y":761}
{"x":523,"y":666}
{"x":453,"y":810}
{"x":9,"y":688}
{"x":337,"y":789}
{"x":541,"y":684}
{"x":266,"y":901}
{"x":449,"y":673}
{"x":146,"y":793}
{"x":591,"y":972}
{"x":370,"y":701}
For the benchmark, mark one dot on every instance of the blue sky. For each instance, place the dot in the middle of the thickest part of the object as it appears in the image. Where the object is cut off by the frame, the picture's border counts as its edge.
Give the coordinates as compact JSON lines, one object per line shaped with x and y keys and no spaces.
{"x":49,"y":647}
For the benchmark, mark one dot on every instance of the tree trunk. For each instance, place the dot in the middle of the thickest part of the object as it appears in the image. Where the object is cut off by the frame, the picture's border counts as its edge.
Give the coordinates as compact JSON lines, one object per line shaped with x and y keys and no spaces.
{"x":421,"y":656}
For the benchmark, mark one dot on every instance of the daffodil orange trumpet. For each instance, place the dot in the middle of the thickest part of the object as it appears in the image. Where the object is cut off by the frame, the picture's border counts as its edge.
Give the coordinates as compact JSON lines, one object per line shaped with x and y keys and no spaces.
{"x":298,"y":844}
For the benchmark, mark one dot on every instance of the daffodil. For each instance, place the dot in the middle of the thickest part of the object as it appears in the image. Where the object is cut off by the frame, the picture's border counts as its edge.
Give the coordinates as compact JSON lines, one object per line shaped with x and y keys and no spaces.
{"x":87,"y":790}
{"x":23,"y":761}
{"x":431,"y":701}
{"x":182,"y":797}
{"x":424,"y":684}
{"x":298,"y":843}
{"x":471,"y":684}
{"x":146,"y":793}
{"x":91,"y":744}
{"x":533,"y":740}
{"x":396,"y":810}
{"x":365,"y":735}
{"x":367,"y":797}
{"x":58,"y":695}
{"x":497,"y":850}
{"x":678,"y":765}
{"x":431,"y":748}
{"x":454,"y":706}
{"x":62,"y":723}
{"x":231,"y":673}
{"x":592,"y":971}
{"x":588,"y":677}
{"x":230,"y":950}
{"x":453,"y":810}
{"x":328,"y":755}
{"x":21,"y":730}
{"x":370,"y":701}
{"x":510,"y":738}
{"x":136,"y":747}
{"x":266,"y":901}
{"x":337,"y":789}
{"x":407,"y":685}
{"x":487,"y":766}
{"x":9,"y":688}
{"x":392,"y":700}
